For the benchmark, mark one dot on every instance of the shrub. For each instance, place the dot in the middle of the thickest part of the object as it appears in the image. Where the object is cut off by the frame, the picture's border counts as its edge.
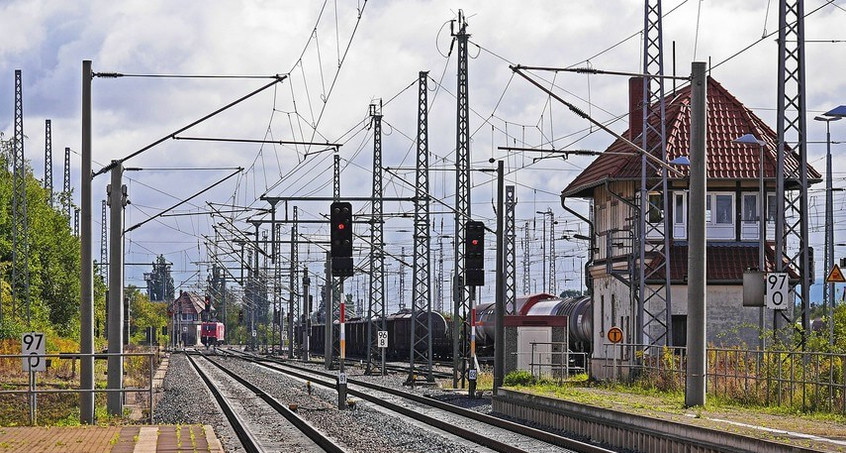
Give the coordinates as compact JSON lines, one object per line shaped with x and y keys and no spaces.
{"x":519,"y":377}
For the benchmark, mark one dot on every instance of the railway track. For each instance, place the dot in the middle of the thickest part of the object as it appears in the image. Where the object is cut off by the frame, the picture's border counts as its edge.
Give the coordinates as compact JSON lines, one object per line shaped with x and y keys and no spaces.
{"x":310,"y":439}
{"x":487,"y":431}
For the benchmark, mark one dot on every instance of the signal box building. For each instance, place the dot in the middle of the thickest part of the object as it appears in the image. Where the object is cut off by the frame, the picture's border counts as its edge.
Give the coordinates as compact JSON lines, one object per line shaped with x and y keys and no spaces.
{"x":612,"y":184}
{"x":185,"y":318}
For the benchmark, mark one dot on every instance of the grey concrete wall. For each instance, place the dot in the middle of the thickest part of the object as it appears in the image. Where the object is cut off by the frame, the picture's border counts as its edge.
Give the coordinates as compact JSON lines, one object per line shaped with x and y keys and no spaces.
{"x":629,"y":431}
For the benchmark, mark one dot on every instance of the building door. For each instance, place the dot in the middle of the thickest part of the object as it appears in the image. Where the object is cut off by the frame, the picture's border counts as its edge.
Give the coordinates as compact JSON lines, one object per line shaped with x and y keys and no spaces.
{"x":679,"y":330}
{"x":542,"y":360}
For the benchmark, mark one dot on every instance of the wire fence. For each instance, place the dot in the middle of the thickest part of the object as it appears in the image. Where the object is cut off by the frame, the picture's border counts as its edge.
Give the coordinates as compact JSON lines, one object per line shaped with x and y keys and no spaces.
{"x":802,"y":380}
{"x":60,"y":380}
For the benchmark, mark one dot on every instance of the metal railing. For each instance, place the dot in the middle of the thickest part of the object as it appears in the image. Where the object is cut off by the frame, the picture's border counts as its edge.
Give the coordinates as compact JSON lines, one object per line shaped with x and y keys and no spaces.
{"x":32,"y":391}
{"x":814,"y":381}
{"x":559,"y":362}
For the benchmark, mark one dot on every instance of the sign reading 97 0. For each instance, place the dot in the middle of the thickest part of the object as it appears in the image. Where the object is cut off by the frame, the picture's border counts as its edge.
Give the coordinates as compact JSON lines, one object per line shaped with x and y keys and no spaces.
{"x":33,"y":344}
{"x":776,"y":292}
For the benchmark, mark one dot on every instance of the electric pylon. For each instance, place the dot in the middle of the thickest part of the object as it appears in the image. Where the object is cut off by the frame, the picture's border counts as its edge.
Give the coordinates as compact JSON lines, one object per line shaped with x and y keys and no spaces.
{"x":48,"y":160}
{"x":791,"y":236}
{"x":652,"y":278}
{"x":421,"y":297}
{"x":20,"y":227}
{"x":376,"y":305}
{"x":463,"y":296}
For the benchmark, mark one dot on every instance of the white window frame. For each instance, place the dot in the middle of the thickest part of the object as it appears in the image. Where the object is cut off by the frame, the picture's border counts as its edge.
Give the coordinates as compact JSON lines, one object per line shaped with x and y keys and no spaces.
{"x":720,"y":230}
{"x":680,"y":215}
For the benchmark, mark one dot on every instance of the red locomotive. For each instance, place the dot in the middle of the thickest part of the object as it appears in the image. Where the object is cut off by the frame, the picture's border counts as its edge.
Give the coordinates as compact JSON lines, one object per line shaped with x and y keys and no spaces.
{"x":212,"y":333}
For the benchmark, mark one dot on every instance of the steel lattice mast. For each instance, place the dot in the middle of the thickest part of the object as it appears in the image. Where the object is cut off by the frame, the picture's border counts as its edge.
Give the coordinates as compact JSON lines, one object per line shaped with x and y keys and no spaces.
{"x":293,"y":282}
{"x":791,"y":236}
{"x":510,"y":253}
{"x":652,"y":257}
{"x":527,"y":270}
{"x":462,"y":296}
{"x":553,"y":288}
{"x":376,"y":301}
{"x":66,"y":188}
{"x":48,"y":159}
{"x":20,"y":233}
{"x":104,"y":242}
{"x":421,"y":297}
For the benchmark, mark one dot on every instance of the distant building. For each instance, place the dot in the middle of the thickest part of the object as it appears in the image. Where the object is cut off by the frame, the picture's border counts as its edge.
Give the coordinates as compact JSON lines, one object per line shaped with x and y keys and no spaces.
{"x":612,"y":184}
{"x":185,"y":318}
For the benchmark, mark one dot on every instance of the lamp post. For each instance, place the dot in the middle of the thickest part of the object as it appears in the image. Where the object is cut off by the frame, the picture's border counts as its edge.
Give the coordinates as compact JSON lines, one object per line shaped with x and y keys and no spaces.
{"x":750,"y":139}
{"x":828,"y":288}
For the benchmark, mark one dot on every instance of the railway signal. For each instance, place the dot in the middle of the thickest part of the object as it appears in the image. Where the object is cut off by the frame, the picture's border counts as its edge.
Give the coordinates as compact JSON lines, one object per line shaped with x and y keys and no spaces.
{"x":474,"y":253}
{"x":341,"y":237}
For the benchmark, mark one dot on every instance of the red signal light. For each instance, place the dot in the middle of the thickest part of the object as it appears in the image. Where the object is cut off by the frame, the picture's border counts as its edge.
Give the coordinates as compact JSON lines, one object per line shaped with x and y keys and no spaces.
{"x":340,"y":226}
{"x":475,"y":242}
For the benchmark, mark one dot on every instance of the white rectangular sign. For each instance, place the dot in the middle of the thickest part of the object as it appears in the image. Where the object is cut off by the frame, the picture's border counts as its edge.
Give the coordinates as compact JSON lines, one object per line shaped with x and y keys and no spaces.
{"x":382,"y":339}
{"x":34,"y":343}
{"x":342,"y":378}
{"x":776,"y":291}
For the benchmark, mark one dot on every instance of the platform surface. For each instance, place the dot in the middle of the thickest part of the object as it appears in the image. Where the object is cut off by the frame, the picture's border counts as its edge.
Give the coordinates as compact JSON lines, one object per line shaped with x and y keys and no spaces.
{"x":113,"y":439}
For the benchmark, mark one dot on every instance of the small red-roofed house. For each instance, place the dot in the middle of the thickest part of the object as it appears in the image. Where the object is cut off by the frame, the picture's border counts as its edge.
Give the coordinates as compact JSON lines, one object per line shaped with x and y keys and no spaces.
{"x":612,"y":182}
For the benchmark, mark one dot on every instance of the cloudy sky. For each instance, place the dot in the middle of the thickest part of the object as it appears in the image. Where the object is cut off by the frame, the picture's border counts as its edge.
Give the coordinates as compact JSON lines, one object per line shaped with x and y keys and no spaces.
{"x":341,"y":56}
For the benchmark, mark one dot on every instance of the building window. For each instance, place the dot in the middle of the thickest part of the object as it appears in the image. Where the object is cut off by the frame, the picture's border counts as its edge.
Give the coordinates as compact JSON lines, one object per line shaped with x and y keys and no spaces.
{"x":750,"y":208}
{"x":679,"y":211}
{"x":656,"y":208}
{"x":771,"y":208}
{"x":723,"y":209}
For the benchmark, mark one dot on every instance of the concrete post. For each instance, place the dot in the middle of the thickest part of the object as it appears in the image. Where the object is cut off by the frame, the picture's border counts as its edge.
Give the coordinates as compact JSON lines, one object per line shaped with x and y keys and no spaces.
{"x":114,"y":400}
{"x":696,"y":284}
{"x":86,"y":302}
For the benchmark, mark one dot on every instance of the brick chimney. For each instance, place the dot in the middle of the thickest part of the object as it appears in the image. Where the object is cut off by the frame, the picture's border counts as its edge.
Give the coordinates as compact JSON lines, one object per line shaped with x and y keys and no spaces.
{"x":635,"y":107}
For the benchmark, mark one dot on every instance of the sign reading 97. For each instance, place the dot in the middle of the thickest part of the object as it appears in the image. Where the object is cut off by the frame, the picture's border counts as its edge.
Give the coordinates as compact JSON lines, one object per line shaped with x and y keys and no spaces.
{"x":33,"y":345}
{"x":777,"y":289}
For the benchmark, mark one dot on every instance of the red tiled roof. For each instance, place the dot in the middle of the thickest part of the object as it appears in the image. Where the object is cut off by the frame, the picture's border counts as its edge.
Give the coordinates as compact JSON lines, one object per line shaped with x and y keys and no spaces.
{"x":725,"y":262}
{"x":728,"y":119}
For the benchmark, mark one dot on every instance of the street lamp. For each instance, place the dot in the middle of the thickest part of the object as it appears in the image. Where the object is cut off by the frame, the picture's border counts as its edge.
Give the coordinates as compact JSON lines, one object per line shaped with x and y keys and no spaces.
{"x":750,"y":139}
{"x":828,"y":288}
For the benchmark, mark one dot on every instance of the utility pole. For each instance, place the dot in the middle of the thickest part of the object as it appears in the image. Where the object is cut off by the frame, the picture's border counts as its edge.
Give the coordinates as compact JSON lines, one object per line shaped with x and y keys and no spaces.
{"x":376,"y":302}
{"x":696,"y":266}
{"x":421,"y":298}
{"x":402,"y":280}
{"x":48,"y":159}
{"x":463,"y":295}
{"x":329,"y":308}
{"x":510,"y":253}
{"x":499,"y":342}
{"x":66,"y":188}
{"x":653,"y":326}
{"x":791,"y":126}
{"x":306,"y":322}
{"x":293,"y":282}
{"x":116,"y":194}
{"x":104,"y":241}
{"x":86,"y":301}
{"x":527,"y":270}
{"x":20,"y":227}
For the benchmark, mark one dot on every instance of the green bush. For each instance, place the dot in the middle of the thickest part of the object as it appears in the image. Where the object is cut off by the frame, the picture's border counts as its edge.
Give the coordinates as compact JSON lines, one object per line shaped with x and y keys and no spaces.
{"x":519,"y":377}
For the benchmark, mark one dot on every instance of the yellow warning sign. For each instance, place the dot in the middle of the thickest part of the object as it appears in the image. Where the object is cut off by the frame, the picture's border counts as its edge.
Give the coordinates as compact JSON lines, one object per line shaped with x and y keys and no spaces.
{"x":835,"y":276}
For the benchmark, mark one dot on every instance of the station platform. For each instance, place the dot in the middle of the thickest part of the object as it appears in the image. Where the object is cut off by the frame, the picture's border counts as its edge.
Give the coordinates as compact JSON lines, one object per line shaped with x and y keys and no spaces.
{"x":112,"y":439}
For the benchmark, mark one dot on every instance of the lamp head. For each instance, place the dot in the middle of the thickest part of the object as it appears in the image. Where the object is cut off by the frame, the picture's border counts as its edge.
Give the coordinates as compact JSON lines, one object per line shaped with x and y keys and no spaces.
{"x":839,"y":111}
{"x":749,"y":139}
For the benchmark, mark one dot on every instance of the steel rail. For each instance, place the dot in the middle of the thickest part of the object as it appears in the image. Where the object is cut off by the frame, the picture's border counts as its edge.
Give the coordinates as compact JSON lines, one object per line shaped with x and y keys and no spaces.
{"x":516,"y":428}
{"x":316,"y":436}
{"x":248,"y":441}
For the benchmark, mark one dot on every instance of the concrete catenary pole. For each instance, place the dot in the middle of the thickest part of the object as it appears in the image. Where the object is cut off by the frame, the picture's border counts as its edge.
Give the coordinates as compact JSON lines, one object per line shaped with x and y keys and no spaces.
{"x":696,"y":295}
{"x":86,"y":300}
{"x":114,"y":400}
